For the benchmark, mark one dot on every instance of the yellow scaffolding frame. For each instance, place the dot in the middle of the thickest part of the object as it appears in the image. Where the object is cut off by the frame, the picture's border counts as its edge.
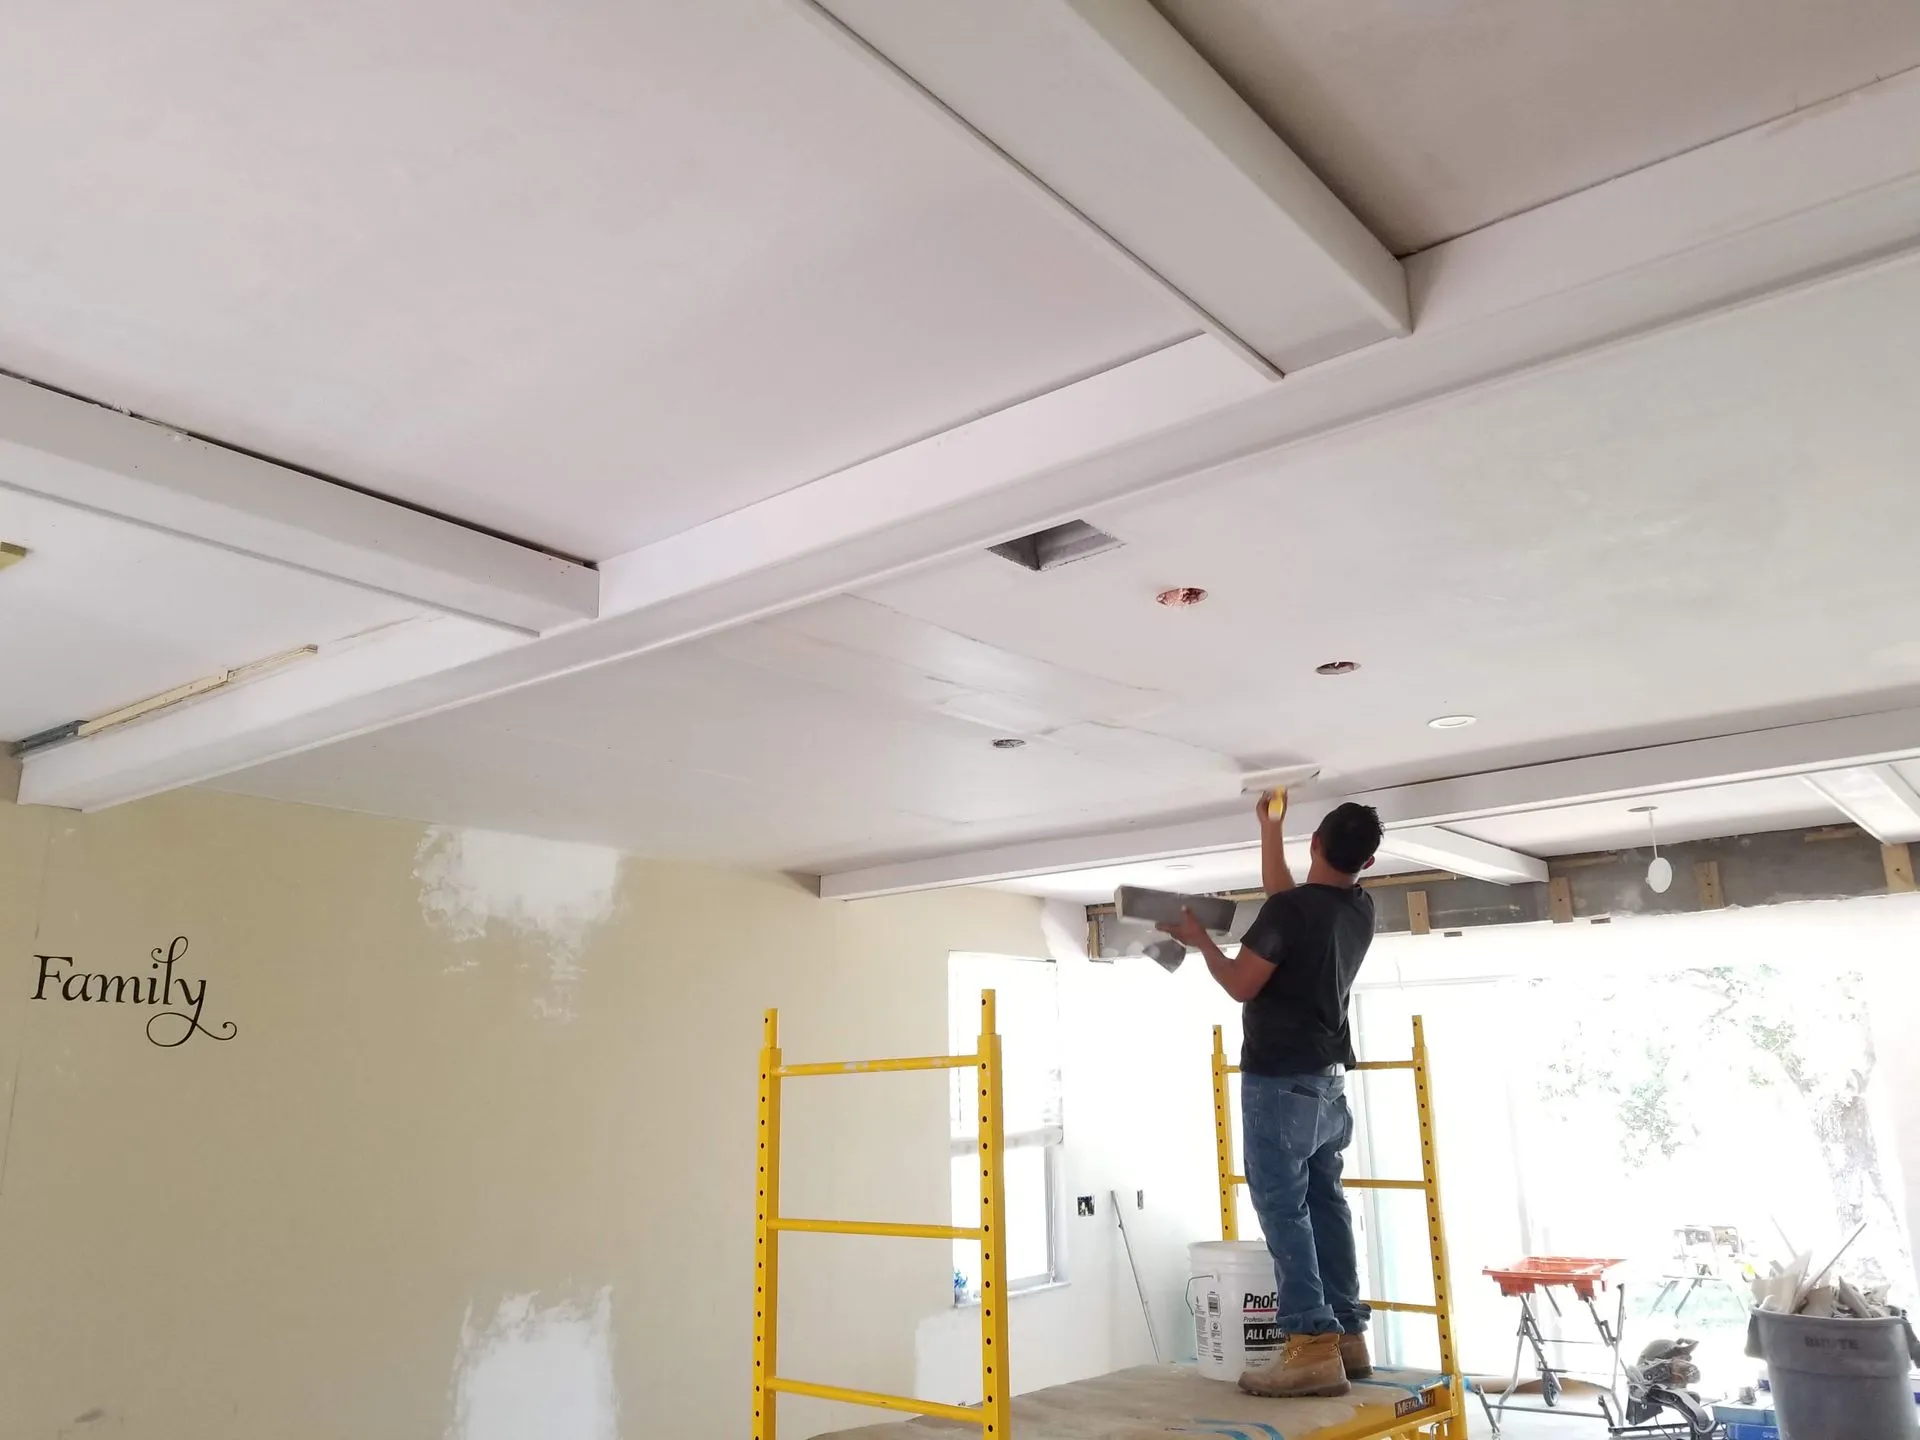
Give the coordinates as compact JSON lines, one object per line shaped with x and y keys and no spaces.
{"x":769,"y":1224}
{"x":1451,"y":1425}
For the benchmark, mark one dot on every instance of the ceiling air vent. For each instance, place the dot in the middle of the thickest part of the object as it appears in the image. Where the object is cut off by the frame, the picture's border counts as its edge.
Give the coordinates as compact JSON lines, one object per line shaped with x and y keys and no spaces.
{"x":1057,"y":545}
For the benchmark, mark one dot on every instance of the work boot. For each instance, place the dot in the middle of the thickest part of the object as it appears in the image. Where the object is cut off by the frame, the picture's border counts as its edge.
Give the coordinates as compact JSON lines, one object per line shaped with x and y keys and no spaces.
{"x":1308,"y":1365}
{"x":1355,"y":1357}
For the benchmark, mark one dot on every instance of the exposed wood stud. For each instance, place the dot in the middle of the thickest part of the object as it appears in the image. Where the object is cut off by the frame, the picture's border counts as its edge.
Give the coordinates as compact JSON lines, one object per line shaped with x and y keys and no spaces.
{"x":1706,"y":878}
{"x":1898,"y":860}
{"x":1582,"y":862}
{"x":1560,"y":900}
{"x":1412,"y":877}
{"x":1417,"y":912}
{"x":1832,"y":832}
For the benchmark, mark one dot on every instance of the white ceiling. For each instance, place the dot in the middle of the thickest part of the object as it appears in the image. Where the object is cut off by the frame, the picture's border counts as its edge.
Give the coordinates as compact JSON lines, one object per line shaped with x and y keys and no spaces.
{"x":591,"y":278}
{"x":1642,"y":543}
{"x":1692,"y":533}
{"x":1433,"y":119}
{"x":72,"y":647}
{"x":584,"y":276}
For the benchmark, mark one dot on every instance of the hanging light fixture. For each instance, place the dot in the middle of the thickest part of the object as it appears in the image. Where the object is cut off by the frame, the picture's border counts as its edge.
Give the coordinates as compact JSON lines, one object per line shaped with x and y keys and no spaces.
{"x":1660,"y":872}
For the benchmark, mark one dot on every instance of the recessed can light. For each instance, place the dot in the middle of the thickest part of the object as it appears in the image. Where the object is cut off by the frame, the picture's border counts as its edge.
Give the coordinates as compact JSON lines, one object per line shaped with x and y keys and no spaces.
{"x":1337,"y":667}
{"x":1181,"y":596}
{"x":1641,"y":809}
{"x":1008,"y":742}
{"x":1452,"y":722}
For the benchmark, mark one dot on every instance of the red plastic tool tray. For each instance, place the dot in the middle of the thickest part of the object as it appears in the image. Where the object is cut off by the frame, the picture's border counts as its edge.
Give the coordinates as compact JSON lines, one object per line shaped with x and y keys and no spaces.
{"x":1536,"y":1272}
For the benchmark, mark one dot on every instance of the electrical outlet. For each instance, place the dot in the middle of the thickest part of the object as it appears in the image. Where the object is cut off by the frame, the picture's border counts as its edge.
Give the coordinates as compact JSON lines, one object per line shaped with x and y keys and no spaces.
{"x":1086,"y":1204}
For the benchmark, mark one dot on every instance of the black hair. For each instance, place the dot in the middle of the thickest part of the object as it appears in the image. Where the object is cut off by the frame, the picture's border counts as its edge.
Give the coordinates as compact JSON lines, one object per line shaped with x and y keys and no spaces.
{"x":1349,"y":836}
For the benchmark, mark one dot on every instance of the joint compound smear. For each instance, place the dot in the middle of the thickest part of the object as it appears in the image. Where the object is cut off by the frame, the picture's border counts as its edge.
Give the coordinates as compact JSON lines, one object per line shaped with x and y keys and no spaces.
{"x":537,"y":1374}
{"x":552,"y":893}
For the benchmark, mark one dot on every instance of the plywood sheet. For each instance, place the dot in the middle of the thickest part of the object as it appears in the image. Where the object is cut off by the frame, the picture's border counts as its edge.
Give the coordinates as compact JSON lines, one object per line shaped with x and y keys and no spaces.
{"x":1160,"y":1400}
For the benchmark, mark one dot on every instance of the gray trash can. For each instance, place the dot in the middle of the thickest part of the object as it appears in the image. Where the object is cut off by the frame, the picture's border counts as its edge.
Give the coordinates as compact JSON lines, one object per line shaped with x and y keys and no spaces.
{"x":1837,"y":1379}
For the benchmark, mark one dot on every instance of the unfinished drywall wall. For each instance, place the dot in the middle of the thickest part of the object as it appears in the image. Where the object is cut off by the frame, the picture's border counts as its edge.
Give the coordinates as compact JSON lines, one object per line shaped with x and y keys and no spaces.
{"x":1137,"y":1114}
{"x":412,"y":1195}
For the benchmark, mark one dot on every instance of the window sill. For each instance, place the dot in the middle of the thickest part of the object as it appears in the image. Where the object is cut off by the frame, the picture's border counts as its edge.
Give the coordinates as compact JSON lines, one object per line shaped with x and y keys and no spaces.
{"x":1021,"y":1293}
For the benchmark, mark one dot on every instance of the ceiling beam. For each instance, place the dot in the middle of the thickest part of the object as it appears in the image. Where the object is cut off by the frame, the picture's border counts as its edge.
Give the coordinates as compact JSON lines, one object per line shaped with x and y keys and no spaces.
{"x":1795,"y":204}
{"x":1106,"y":106}
{"x":77,"y":453}
{"x":1416,"y":809}
{"x":1876,"y":798}
{"x":1442,"y":849}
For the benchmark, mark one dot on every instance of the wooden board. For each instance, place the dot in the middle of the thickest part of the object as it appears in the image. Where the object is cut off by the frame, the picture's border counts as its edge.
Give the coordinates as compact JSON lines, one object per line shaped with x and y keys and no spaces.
{"x":1560,"y":900}
{"x":1157,"y":1401}
{"x":1898,"y":860}
{"x":1417,"y":920}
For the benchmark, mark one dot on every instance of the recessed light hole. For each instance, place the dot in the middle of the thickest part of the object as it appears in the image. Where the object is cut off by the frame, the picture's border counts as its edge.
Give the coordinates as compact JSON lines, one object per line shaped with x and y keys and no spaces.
{"x":1181,"y":596}
{"x":1337,"y":667}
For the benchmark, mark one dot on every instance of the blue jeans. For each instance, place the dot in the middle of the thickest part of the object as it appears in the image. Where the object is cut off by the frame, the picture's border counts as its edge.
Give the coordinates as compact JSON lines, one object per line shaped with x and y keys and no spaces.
{"x":1296,"y":1126}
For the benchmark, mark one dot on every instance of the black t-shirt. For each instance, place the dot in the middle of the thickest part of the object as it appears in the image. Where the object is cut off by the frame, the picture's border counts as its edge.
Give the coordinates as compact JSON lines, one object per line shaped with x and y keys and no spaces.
{"x":1316,"y":936}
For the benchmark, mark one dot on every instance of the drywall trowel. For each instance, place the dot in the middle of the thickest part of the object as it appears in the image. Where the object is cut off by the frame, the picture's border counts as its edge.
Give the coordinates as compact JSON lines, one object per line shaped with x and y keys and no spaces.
{"x":1163,"y":907}
{"x":1279,"y":779}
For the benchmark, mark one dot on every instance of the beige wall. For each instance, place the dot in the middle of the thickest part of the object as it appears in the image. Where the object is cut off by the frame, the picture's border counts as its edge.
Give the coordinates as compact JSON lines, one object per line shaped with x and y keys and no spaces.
{"x":289,"y":1233}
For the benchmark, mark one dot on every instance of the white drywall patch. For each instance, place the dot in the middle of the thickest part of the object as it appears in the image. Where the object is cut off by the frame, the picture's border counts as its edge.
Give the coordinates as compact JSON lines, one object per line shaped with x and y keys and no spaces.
{"x":537,"y":1374}
{"x":556,"y":894}
{"x":1063,"y":925}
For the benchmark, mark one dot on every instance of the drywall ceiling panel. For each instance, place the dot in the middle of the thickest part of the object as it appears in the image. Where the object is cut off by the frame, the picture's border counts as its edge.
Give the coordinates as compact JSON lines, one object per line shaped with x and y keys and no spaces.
{"x":584,"y":275}
{"x":102,"y":613}
{"x":707,"y":751}
{"x":1109,"y":108}
{"x":1698,"y":532}
{"x":1707,"y":530}
{"x":1433,"y":119}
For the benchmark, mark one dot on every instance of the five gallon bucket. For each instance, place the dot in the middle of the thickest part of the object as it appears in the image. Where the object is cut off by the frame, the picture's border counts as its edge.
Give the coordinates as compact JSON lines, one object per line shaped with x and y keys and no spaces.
{"x":1837,"y":1379}
{"x":1232,"y":1296}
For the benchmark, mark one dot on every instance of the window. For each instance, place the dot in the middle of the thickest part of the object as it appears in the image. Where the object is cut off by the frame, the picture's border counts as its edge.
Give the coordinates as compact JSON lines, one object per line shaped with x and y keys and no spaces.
{"x":1028,"y":1005}
{"x":1645,"y":1072}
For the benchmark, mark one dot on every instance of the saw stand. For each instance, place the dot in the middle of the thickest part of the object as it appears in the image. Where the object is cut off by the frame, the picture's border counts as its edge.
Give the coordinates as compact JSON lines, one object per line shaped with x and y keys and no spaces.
{"x":1537,"y":1277}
